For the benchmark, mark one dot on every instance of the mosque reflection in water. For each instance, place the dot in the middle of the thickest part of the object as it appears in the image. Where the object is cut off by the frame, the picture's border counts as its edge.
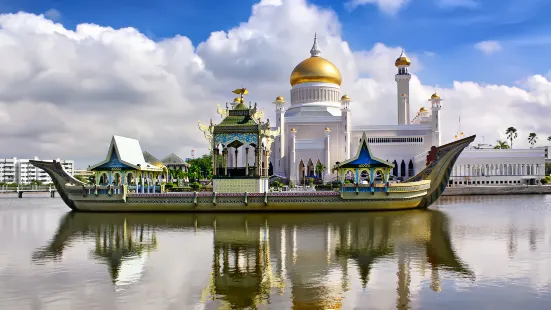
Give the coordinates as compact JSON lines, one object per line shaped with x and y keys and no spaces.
{"x":258,"y":257}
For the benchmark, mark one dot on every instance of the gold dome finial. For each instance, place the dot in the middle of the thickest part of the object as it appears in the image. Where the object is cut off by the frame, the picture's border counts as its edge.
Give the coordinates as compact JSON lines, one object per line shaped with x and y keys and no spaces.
{"x":279,"y":99}
{"x":315,"y":51}
{"x":293,"y":130}
{"x":345,"y":97}
{"x":327,"y":129}
{"x":435,"y":96}
{"x":403,"y":60}
{"x":315,"y":69}
{"x":423,"y":109}
{"x":236,"y":100}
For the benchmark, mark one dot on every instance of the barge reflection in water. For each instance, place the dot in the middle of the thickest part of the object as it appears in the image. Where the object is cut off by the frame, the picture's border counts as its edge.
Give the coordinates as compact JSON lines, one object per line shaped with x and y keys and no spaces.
{"x":257,"y":258}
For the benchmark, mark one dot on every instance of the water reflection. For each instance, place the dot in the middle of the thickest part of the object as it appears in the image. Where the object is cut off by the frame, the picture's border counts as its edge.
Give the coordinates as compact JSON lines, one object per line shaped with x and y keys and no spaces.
{"x":258,"y":257}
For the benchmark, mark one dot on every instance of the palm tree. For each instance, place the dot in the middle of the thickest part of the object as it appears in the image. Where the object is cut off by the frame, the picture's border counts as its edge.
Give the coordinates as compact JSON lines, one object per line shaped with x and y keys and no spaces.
{"x":511,"y":133}
{"x":319,"y":169}
{"x":532,"y":138}
{"x":501,"y":145}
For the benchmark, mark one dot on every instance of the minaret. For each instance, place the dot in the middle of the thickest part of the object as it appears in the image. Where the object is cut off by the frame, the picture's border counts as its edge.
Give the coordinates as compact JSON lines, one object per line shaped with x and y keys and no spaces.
{"x":345,"y":119}
{"x":279,"y":151}
{"x":435,"y":105}
{"x":402,"y":80}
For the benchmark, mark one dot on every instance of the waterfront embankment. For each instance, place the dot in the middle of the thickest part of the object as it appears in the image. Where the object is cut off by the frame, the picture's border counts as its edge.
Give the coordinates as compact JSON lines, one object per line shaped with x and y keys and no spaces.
{"x":497,"y":190}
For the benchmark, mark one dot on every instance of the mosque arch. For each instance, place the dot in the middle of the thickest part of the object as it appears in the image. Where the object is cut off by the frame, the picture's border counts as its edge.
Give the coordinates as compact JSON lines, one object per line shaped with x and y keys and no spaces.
{"x":310,"y":168}
{"x":301,"y":170}
{"x":395,"y":169}
{"x":410,"y":168}
{"x":403,"y":168}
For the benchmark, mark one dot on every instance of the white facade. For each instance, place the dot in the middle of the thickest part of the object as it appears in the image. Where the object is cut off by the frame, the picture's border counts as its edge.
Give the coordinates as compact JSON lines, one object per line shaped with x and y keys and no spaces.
{"x":21,"y":171}
{"x":316,"y":128}
{"x":499,"y":167}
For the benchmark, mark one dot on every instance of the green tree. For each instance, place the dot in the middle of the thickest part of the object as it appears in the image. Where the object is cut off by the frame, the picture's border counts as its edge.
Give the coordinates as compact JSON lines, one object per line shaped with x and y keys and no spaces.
{"x":203,"y":166}
{"x":319,"y":169}
{"x":511,"y":133}
{"x":532,"y":138}
{"x":501,"y":145}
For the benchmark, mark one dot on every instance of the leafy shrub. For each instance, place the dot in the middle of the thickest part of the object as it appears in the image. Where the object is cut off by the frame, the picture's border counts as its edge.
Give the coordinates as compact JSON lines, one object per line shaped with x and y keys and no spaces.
{"x":196,"y":185}
{"x":544,"y":181}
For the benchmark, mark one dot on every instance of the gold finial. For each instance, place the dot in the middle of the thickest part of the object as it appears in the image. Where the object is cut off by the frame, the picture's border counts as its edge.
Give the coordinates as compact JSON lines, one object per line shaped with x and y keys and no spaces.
{"x":327,"y":129}
{"x":423,"y":109}
{"x":279,"y":99}
{"x":345,"y":97}
{"x":242,"y":92}
{"x":435,"y":96}
{"x":236,"y":100}
{"x":293,"y":130}
{"x":402,"y":60}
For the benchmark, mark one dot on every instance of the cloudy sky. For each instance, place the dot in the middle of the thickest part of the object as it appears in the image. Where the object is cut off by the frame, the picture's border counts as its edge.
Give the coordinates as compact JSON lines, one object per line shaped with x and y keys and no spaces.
{"x":74,"y":73}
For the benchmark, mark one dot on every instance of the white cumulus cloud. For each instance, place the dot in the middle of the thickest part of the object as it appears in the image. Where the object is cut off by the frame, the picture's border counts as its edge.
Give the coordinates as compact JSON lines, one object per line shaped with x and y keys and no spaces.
{"x":488,"y":47}
{"x":387,"y":6}
{"x":64,"y":93}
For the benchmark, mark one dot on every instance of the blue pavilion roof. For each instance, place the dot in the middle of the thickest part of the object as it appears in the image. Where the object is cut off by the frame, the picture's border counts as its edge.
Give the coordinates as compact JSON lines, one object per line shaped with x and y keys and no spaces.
{"x":364,"y":157}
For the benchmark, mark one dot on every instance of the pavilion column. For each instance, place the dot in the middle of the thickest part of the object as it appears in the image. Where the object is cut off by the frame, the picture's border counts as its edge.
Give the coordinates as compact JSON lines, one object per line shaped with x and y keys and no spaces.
{"x":246,"y":161}
{"x":257,"y":162}
{"x":215,"y":161}
{"x":266,"y":163}
{"x":225,"y":160}
{"x":235,"y":165}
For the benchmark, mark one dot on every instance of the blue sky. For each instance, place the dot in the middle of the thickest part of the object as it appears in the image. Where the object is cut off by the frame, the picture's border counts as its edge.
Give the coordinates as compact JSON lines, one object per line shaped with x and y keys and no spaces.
{"x":442,"y":35}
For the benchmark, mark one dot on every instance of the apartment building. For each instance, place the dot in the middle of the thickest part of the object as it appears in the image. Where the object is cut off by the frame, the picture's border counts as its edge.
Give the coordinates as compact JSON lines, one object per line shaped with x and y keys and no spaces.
{"x":21,"y":171}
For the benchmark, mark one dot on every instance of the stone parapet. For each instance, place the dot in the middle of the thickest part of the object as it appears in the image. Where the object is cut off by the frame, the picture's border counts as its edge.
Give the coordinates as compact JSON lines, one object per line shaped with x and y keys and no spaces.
{"x":497,"y":190}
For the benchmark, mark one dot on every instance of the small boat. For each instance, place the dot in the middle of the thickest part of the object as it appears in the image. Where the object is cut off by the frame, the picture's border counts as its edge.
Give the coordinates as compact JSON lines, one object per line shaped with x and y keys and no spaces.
{"x":419,"y":191}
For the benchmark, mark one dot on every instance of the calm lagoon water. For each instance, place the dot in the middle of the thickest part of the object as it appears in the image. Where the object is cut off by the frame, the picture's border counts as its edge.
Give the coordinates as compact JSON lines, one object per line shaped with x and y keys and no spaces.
{"x":463,"y":253}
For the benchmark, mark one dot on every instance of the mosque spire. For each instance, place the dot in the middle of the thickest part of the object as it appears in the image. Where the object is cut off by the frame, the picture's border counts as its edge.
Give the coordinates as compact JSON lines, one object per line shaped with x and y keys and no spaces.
{"x":315,"y":51}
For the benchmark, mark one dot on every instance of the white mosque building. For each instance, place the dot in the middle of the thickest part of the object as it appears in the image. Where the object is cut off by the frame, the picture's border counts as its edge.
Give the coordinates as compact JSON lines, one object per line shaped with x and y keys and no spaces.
{"x":316,"y":128}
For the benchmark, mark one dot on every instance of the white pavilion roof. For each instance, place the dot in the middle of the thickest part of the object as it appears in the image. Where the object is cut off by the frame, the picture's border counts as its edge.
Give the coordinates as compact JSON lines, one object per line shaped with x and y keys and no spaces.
{"x":128,"y":152}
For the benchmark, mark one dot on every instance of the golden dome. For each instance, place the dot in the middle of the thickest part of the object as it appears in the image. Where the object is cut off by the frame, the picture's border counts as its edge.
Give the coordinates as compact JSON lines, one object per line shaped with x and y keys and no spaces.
{"x":236,"y":100}
{"x":327,"y":129}
{"x":315,"y":69}
{"x":279,"y":99}
{"x":403,"y":60}
{"x":423,"y":109}
{"x":345,"y":97}
{"x":435,"y":96}
{"x":293,"y":130}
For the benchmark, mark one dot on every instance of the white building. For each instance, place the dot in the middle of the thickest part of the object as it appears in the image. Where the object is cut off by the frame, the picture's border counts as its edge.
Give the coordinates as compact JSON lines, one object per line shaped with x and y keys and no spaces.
{"x":316,"y":128}
{"x":499,"y":167}
{"x":21,"y":171}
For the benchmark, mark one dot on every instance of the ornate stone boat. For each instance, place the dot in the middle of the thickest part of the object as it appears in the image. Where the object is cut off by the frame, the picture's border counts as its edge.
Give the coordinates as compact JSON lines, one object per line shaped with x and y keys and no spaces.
{"x":419,"y":191}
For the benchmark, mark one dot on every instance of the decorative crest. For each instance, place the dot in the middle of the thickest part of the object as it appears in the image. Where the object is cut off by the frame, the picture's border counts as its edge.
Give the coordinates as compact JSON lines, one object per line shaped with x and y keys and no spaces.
{"x":222,"y":112}
{"x":207,"y":131}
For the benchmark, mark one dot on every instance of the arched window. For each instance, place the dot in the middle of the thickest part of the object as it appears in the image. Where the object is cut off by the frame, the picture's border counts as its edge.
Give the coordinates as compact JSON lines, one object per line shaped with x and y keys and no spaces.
{"x":410,"y":168}
{"x":403,"y":168}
